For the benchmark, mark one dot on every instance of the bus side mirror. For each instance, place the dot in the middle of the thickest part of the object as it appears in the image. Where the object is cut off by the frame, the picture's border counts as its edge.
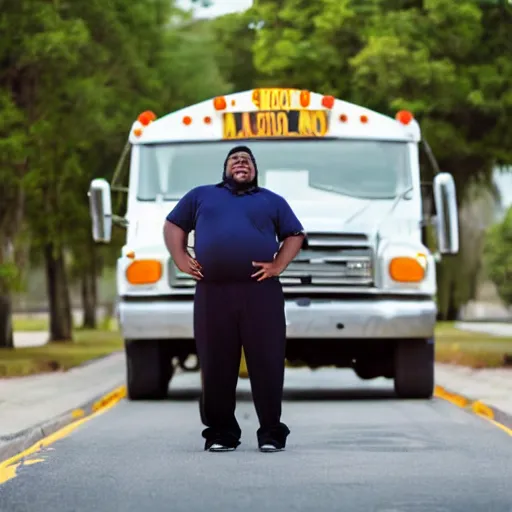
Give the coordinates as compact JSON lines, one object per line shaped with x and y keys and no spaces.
{"x":447,"y":216}
{"x":100,"y":206}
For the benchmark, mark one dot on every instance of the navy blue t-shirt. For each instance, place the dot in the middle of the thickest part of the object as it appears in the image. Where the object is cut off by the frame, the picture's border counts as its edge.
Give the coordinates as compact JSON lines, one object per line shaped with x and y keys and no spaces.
{"x":233,"y":230}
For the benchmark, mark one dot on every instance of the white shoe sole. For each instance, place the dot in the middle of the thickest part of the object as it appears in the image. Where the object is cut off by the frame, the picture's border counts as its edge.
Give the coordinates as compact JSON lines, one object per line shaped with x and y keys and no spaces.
{"x":220,"y":448}
{"x":268,"y":448}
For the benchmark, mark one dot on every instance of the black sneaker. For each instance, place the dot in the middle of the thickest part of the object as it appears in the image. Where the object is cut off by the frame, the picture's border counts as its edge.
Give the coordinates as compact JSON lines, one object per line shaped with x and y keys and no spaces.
{"x":273,"y":439}
{"x":220,"y":445}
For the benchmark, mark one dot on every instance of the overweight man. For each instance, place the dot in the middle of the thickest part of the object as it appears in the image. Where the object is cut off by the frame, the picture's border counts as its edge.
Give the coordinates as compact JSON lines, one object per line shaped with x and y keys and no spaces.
{"x":245,"y":236}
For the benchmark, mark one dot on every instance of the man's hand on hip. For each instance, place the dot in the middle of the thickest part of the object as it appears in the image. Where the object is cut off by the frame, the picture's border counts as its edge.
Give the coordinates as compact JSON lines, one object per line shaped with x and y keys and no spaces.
{"x":269,"y":269}
{"x":190,"y":266}
{"x":290,"y":248}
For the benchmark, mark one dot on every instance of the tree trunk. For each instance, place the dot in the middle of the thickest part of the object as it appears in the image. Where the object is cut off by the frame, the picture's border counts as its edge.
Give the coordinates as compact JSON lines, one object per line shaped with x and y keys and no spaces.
{"x":89,"y":288}
{"x":89,"y":298}
{"x":6,"y":334}
{"x":61,"y":324}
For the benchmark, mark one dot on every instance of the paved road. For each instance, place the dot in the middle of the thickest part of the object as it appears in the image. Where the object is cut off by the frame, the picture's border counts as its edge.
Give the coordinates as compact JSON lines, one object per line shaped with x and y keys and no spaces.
{"x":356,"y":450}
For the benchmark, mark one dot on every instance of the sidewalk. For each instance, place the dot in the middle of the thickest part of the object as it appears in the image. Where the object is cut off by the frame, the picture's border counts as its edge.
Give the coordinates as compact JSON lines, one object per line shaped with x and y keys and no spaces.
{"x":493,"y":328}
{"x":27,"y":401}
{"x":30,"y":338}
{"x":493,"y":386}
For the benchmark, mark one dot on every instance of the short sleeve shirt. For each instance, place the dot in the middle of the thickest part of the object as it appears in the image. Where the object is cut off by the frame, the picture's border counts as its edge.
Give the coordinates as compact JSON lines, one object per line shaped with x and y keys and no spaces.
{"x":233,"y":230}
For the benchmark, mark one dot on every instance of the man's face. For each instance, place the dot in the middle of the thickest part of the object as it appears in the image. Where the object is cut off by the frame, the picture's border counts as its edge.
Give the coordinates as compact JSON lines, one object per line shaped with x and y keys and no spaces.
{"x":240,"y":167}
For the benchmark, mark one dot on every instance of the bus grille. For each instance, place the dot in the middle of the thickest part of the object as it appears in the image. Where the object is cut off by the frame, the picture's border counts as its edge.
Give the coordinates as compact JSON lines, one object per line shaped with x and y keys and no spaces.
{"x":326,"y":260}
{"x":329,"y":259}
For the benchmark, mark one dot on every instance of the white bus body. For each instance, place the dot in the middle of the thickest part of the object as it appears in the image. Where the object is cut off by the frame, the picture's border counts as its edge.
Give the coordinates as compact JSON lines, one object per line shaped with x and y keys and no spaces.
{"x":360,"y":294}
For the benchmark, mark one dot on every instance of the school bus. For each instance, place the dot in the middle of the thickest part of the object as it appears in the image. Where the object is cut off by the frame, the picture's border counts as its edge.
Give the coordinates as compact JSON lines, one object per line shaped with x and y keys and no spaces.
{"x":361,"y":292}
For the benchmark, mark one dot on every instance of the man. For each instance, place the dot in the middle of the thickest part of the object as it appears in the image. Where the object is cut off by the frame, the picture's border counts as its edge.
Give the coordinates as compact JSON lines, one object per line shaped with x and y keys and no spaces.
{"x":239,"y":300}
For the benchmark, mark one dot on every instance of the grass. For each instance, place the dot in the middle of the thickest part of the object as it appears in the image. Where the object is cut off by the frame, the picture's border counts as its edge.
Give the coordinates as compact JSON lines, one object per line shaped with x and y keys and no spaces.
{"x":27,"y":322}
{"x":476,"y":350}
{"x":87,"y":345}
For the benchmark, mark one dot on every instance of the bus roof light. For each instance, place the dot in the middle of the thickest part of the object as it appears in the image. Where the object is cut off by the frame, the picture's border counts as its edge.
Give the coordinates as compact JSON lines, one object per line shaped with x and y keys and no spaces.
{"x":364,"y":119}
{"x":328,"y":102}
{"x":137,"y":132}
{"x":404,"y":117}
{"x":187,"y":120}
{"x":146,"y":117}
{"x":305,"y":98}
{"x":219,"y":103}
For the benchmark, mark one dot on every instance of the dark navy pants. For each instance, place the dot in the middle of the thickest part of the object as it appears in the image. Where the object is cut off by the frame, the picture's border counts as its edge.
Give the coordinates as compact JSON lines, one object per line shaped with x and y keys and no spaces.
{"x":228,"y":316}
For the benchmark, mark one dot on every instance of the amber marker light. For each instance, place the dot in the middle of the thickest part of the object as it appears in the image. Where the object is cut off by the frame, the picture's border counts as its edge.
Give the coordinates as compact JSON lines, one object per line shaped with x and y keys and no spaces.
{"x":305,"y":99}
{"x":146,"y":117}
{"x":328,"y":102}
{"x":406,"y":269}
{"x":144,"y":272}
{"x":219,"y":103}
{"x":404,"y":117}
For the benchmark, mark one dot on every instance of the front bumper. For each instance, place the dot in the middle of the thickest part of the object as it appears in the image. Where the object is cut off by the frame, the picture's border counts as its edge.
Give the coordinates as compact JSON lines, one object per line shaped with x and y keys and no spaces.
{"x":315,"y":318}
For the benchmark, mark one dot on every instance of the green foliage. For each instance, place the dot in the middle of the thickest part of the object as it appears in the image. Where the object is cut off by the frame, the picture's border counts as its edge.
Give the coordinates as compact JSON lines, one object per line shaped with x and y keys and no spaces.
{"x":233,"y":37}
{"x":448,"y":62}
{"x":498,"y":257}
{"x":73,"y":78}
{"x":9,"y":277}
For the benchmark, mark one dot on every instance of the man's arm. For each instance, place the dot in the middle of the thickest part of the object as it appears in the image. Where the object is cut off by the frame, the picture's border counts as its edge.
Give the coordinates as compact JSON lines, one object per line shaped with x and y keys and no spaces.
{"x":289,"y":249}
{"x":178,"y":224}
{"x":290,"y":231}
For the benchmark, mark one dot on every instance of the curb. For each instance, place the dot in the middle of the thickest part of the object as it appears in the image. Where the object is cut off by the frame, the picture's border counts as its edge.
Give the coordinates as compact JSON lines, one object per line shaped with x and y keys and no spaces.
{"x":14,"y":446}
{"x":489,"y":412}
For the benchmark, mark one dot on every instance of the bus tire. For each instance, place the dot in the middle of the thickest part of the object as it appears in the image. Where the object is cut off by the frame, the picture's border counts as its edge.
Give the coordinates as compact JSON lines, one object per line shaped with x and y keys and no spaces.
{"x":148,"y":369}
{"x":414,"y":368}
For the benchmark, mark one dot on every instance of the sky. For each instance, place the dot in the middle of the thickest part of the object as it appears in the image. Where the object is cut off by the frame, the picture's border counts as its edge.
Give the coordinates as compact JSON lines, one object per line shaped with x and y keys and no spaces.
{"x":218,"y":8}
{"x":504,"y":182}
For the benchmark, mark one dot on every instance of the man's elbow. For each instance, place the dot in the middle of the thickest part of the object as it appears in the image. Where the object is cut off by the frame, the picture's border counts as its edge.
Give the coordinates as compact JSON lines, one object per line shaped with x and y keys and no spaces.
{"x":174,"y":236}
{"x":297,"y":237}
{"x":171,"y":228}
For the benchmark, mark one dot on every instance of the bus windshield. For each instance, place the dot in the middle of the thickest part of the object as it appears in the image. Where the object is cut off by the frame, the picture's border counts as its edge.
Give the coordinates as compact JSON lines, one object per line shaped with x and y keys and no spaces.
{"x":367,"y":169}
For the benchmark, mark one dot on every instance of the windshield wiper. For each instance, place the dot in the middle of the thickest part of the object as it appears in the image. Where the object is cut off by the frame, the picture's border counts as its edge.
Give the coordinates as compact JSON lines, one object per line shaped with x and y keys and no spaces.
{"x":400,"y":196}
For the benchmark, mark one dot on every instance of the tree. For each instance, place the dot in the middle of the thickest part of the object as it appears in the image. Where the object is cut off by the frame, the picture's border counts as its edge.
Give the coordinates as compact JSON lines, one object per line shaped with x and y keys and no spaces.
{"x":73,"y":78}
{"x":448,"y":62}
{"x":12,"y":166}
{"x":233,"y":37}
{"x":498,"y":257}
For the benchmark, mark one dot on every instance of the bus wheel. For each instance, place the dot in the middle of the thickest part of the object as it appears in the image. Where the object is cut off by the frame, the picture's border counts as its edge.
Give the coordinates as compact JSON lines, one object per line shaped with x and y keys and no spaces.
{"x":148,"y":369}
{"x":414,"y":368}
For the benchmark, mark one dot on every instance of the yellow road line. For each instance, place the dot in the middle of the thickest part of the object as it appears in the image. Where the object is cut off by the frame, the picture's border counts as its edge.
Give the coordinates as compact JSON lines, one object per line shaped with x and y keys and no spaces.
{"x":9,"y":467}
{"x":476,"y":407}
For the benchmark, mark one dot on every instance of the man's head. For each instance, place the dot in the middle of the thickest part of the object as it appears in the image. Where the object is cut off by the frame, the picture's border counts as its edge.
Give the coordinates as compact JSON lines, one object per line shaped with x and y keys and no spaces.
{"x":240,"y":166}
